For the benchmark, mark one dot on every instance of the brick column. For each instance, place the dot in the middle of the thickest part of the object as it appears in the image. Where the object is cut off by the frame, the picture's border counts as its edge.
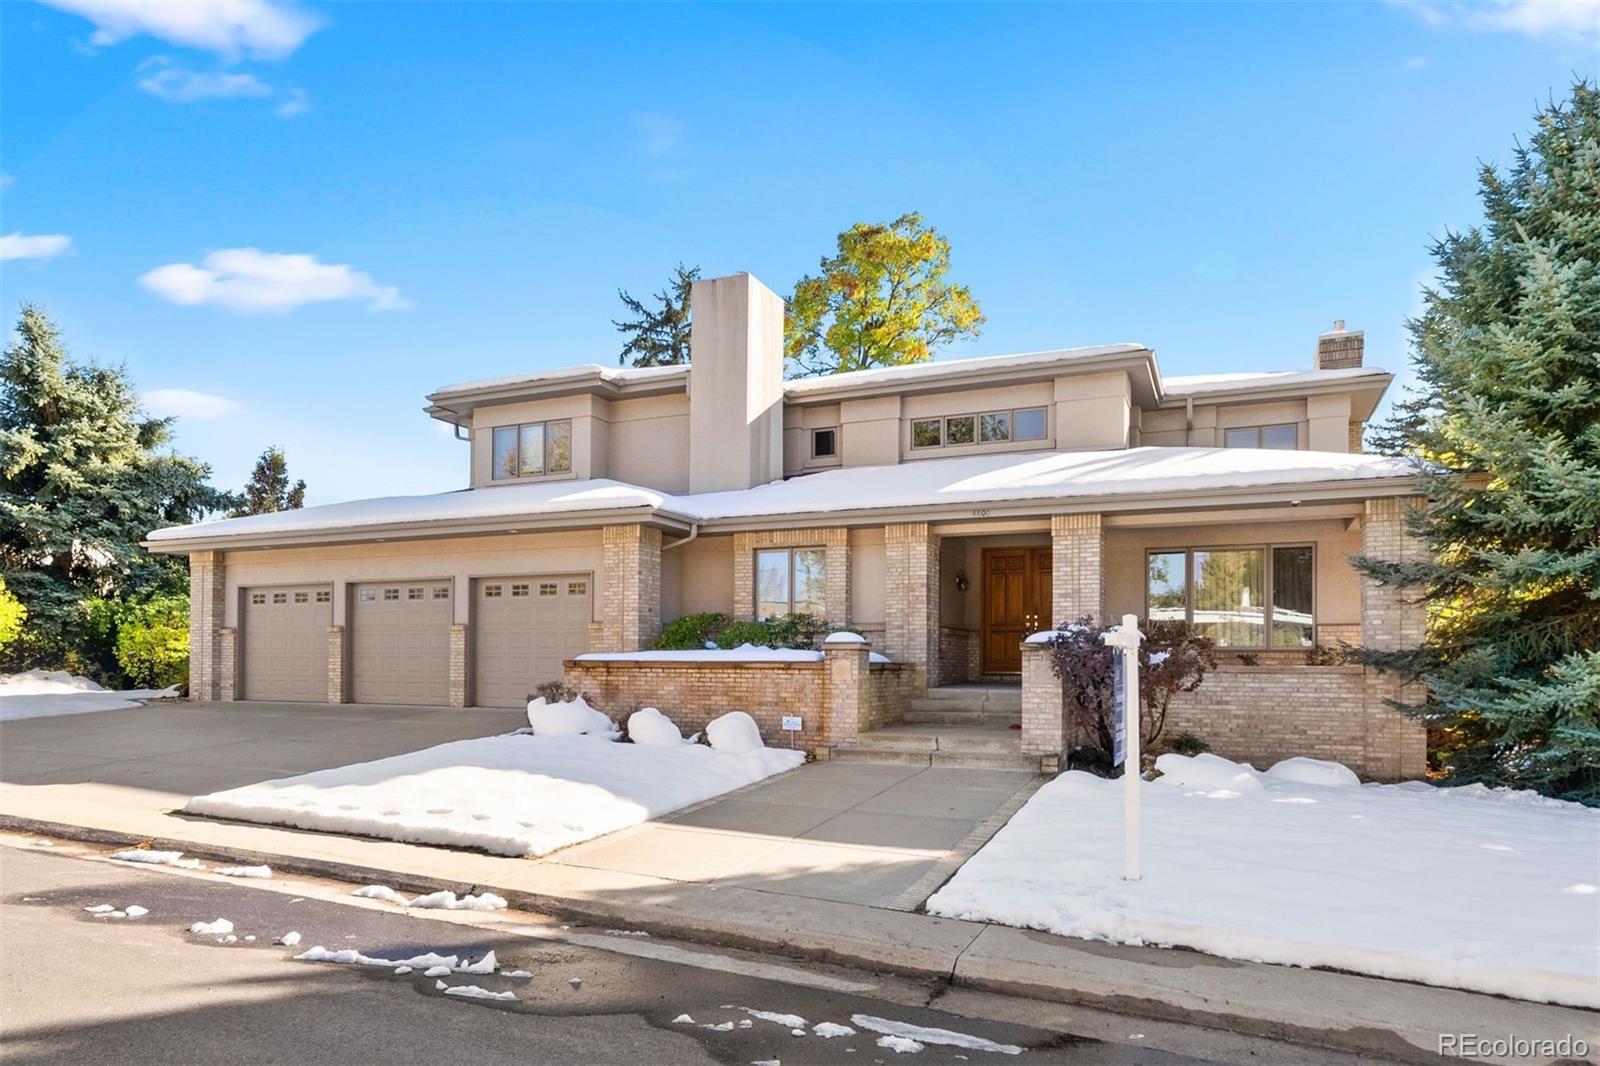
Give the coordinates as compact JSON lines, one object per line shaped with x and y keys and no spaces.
{"x":631,"y":596}
{"x":1077,"y":567}
{"x":336,"y":653}
{"x":911,"y":601}
{"x":207,"y":610}
{"x":1396,"y":745}
{"x":228,"y":665}
{"x":1043,"y":715}
{"x":458,"y":665}
{"x":847,"y":666}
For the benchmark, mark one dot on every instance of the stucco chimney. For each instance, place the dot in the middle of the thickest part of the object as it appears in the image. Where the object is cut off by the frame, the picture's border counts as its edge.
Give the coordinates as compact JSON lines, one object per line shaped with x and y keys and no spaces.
{"x":1340,"y":347}
{"x":735,"y":384}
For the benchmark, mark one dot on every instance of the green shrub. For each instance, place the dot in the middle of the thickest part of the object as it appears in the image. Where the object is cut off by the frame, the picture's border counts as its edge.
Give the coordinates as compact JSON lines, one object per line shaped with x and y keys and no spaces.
{"x":803,"y":631}
{"x":691,"y":631}
{"x":1188,"y":744}
{"x":153,"y":640}
{"x":12,"y":615}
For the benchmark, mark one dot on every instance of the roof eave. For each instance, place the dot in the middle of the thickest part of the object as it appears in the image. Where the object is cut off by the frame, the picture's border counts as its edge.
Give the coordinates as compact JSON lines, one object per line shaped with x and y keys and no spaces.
{"x":956,"y":377}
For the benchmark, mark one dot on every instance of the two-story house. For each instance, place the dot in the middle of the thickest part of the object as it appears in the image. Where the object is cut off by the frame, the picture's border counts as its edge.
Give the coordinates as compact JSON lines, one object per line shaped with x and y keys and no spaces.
{"x":943,"y":510}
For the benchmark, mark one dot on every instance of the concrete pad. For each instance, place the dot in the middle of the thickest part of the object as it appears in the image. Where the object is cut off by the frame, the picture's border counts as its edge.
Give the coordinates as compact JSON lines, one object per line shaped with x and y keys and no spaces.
{"x":124,"y":742}
{"x":783,"y":820}
{"x":876,"y":829}
{"x":870,"y":877}
{"x":675,"y":854}
{"x":835,"y":785}
{"x":30,"y":766}
{"x":936,"y":802}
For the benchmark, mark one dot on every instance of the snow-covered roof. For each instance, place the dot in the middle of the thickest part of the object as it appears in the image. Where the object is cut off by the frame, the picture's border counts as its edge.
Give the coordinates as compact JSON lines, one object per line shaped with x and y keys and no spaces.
{"x":583,"y":372}
{"x":1015,"y":477}
{"x":1200,"y":384}
{"x":935,"y":370}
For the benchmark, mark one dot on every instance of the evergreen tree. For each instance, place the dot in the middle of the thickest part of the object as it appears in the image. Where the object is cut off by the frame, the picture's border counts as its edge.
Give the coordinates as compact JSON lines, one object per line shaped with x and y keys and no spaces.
{"x":82,"y":481}
{"x":659,"y":337}
{"x":1506,"y":427}
{"x":268,"y":489}
{"x":882,"y":300}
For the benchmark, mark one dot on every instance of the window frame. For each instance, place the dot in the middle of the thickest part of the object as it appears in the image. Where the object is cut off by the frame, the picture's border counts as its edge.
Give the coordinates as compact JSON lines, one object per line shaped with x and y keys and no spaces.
{"x":1260,"y":432}
{"x":937,"y":421}
{"x":520,"y":429}
{"x":1007,"y":417}
{"x":1268,"y":607}
{"x":833,"y":451}
{"x":789,"y":552}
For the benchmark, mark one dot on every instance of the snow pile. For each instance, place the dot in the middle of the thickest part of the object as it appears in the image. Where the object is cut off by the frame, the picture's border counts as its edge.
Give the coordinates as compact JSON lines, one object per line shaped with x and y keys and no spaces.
{"x":157,"y":858}
{"x":744,"y":653}
{"x":350,"y":956}
{"x":567,"y":719}
{"x":244,"y":871}
{"x":735,"y":732}
{"x":648,"y":726}
{"x":1303,"y":771}
{"x":440,"y":901}
{"x":47,"y":693}
{"x":219,"y":927}
{"x":472,"y":991}
{"x":1473,"y":888}
{"x":136,"y":911}
{"x":383,"y":892}
{"x":511,"y":795}
{"x":829,"y":1030}
{"x":924,"y":1034}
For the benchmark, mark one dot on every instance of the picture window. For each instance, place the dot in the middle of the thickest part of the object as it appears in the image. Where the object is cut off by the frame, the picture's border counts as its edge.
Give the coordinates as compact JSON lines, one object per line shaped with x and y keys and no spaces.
{"x":532,"y":449}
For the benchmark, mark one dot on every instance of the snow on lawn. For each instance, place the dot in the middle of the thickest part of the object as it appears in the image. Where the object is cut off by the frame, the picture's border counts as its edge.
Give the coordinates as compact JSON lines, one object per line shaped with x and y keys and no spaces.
{"x":511,"y":795}
{"x":1465,"y":887}
{"x":47,"y":693}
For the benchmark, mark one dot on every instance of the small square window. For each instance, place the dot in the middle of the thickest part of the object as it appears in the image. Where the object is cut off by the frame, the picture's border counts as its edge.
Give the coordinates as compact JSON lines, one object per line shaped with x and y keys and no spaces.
{"x":441,"y":592}
{"x":962,"y":429}
{"x":324,"y":596}
{"x":414,"y":594}
{"x":577,"y":588}
{"x":280,"y":597}
{"x":824,"y":443}
{"x":391,"y":594}
{"x":927,"y":433}
{"x":491,"y":592}
{"x":549,"y":588}
{"x":302,"y":597}
{"x":519,"y":590}
{"x":368,"y":595}
{"x":258,"y":597}
{"x":994,"y":427}
{"x":1028,"y":424}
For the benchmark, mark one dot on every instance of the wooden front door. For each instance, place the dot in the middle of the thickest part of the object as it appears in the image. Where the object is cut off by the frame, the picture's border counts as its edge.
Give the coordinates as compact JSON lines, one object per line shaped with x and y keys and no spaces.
{"x":1016,"y":602}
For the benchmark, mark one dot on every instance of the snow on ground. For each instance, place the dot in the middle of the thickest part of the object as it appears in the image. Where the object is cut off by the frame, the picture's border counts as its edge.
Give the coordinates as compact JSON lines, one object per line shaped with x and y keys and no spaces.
{"x":219,"y":927}
{"x":744,"y":653}
{"x":472,"y":991}
{"x":157,"y":858}
{"x":511,"y":795}
{"x":1465,"y":887}
{"x":47,"y":693}
{"x":244,"y":871}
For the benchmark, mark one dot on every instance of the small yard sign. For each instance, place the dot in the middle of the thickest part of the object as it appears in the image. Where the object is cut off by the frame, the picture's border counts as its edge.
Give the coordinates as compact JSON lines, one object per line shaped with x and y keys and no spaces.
{"x":1119,"y":690}
{"x":791,"y":723}
{"x":1124,"y":641}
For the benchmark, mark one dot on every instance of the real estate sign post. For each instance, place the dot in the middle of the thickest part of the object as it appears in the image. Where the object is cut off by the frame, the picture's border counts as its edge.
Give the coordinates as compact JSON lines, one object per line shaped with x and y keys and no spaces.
{"x":1124,"y":641}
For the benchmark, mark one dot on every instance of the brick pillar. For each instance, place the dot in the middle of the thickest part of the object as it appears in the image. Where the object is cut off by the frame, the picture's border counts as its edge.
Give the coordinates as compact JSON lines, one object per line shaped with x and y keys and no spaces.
{"x":458,"y":665}
{"x":228,"y":665}
{"x":847,"y":673}
{"x":336,"y":653}
{"x":911,"y":601}
{"x":1077,"y":567}
{"x":1043,"y":733}
{"x":207,"y":610}
{"x":1396,"y":746}
{"x":631,"y":598}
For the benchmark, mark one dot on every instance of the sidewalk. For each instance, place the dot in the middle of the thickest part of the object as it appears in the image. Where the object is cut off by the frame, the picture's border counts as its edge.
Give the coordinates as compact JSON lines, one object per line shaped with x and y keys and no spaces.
{"x":1396,"y":1021}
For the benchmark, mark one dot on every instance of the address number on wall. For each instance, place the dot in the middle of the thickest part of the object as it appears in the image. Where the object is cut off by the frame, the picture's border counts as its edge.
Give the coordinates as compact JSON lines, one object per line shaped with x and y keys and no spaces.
{"x":980,"y":512}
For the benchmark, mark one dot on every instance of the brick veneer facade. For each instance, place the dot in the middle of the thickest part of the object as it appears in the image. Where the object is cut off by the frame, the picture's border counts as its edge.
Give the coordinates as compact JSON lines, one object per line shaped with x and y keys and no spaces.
{"x":959,"y":655}
{"x":207,"y":610}
{"x":836,"y":568}
{"x":630,"y":598}
{"x":911,"y":601}
{"x":1077,"y":567}
{"x":456,"y":694}
{"x":1389,"y":619}
{"x":228,"y":664}
{"x":836,"y":698}
{"x":1043,"y":715}
{"x":336,"y":656}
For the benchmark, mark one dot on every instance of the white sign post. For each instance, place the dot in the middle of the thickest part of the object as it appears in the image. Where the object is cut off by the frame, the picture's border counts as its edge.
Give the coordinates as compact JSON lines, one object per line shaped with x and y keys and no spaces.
{"x":1124,"y":640}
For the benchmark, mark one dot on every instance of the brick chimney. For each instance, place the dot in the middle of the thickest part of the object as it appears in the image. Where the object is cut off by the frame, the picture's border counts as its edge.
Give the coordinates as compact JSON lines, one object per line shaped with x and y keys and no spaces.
{"x":1340,"y":348}
{"x":735,"y":384}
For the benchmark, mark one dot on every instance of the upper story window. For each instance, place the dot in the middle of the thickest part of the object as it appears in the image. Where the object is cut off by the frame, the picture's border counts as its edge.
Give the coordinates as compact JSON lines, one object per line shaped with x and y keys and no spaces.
{"x":790,"y":581}
{"x":1285,"y":437}
{"x":532,"y":449}
{"x":988,"y":427}
{"x":824,"y":443}
{"x":1223,"y":592}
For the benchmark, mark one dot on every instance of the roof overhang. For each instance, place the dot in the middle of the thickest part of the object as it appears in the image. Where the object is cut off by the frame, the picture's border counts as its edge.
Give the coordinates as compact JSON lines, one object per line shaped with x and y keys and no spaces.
{"x":1365,"y":391}
{"x":455,"y":404}
{"x":963,"y":374}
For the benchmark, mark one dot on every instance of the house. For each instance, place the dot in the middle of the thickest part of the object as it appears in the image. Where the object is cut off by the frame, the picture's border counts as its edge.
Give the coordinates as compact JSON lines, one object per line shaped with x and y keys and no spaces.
{"x":943,"y":511}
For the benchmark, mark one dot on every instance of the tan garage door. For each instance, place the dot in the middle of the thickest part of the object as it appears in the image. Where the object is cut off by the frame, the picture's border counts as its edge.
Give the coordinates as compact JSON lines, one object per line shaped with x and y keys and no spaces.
{"x":524,"y":627}
{"x":400,"y":642}
{"x":286,"y":642}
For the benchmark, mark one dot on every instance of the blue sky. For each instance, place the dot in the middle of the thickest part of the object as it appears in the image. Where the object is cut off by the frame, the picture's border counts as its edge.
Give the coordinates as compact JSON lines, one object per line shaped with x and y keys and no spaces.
{"x":464,"y":187}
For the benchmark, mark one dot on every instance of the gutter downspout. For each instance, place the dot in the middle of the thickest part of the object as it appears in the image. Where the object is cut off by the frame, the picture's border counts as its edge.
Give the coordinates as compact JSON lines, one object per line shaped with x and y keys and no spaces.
{"x":694,"y":531}
{"x":1188,"y":421}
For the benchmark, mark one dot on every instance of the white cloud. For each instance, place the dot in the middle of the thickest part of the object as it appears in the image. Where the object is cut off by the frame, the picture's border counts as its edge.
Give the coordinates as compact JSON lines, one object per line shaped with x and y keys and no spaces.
{"x":1573,"y":20}
{"x":231,"y":28}
{"x":1417,"y":63}
{"x":659,"y":136}
{"x":36,"y":246}
{"x":187,"y":403}
{"x":248,"y":279}
{"x":184,"y":86}
{"x":294,"y":103}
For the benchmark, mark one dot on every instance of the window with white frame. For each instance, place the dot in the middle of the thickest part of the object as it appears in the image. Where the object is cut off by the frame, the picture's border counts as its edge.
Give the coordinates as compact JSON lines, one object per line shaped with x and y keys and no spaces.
{"x":1247,"y":597}
{"x":986,"y":427}
{"x":790,"y":581}
{"x":532,"y":449}
{"x":1284,"y":437}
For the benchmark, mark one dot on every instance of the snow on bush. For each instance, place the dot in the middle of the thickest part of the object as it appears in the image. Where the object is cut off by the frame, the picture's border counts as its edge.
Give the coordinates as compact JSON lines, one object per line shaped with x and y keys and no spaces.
{"x":47,"y":693}
{"x":567,"y":719}
{"x":648,"y":726}
{"x":735,"y":732}
{"x":1467,"y":887}
{"x":1304,"y":771}
{"x":511,"y":795}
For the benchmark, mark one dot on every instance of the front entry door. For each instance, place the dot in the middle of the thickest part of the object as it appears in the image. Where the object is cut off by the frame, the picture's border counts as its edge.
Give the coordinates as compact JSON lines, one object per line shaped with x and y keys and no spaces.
{"x":1016,"y":602}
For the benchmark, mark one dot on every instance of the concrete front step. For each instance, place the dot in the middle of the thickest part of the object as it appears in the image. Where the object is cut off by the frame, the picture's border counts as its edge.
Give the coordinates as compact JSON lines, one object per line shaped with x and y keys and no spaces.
{"x":941,"y":745}
{"x":980,"y":696}
{"x":952,"y":716}
{"x":959,"y":759}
